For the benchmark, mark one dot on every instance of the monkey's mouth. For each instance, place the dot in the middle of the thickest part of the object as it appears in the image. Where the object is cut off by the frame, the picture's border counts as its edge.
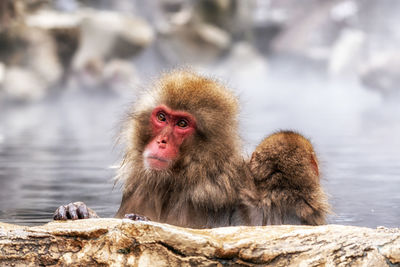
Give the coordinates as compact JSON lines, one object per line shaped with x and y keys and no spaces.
{"x":157,"y":163}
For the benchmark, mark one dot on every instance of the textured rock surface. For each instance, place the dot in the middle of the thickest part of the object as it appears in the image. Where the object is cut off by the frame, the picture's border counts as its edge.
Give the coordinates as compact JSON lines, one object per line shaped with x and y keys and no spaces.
{"x":114,"y":242}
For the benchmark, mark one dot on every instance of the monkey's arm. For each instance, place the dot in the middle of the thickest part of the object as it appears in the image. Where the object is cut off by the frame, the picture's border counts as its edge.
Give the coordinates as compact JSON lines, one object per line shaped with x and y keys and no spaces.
{"x":74,"y":211}
{"x":127,"y":208}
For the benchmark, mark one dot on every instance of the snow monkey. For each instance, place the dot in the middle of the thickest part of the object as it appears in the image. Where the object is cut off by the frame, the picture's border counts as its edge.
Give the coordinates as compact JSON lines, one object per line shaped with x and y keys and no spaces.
{"x":183,"y":164}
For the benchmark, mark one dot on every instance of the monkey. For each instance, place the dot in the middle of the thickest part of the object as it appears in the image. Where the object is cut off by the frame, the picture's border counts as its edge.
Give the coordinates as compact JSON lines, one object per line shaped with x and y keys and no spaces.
{"x":183,"y":163}
{"x":286,"y":175}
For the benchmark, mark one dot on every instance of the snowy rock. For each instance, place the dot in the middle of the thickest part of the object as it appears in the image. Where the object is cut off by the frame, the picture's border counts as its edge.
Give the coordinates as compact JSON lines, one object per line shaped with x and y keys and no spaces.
{"x":116,"y":242}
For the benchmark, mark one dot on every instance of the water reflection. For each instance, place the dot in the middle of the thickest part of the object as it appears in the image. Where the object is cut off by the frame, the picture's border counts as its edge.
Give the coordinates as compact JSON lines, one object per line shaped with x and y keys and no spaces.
{"x":60,"y":151}
{"x":57,"y":152}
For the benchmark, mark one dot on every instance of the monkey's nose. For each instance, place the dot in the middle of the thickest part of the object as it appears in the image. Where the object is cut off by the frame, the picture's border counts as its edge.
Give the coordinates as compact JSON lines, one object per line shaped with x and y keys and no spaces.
{"x":162,"y":143}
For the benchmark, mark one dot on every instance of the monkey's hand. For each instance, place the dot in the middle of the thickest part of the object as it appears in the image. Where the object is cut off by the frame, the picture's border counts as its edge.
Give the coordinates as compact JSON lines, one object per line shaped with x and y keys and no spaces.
{"x":74,"y":211}
{"x":136,"y":217}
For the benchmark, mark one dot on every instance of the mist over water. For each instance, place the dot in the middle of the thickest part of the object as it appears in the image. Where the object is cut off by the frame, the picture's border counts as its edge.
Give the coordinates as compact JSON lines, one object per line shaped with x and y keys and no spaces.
{"x":57,"y":152}
{"x":307,"y":76}
{"x":60,"y":150}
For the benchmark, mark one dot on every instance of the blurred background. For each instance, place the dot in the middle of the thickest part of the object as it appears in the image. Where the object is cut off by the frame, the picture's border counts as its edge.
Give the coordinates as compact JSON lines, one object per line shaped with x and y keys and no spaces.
{"x":70,"y":69}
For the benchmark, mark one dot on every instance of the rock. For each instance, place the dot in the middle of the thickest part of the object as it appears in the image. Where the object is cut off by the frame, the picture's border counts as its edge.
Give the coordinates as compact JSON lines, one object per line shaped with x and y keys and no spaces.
{"x":82,"y":37}
{"x":193,"y":43}
{"x":89,"y":53}
{"x":306,"y":31}
{"x":41,"y":56}
{"x":31,"y":64}
{"x":382,"y":73}
{"x":123,"y":37}
{"x":231,"y":68}
{"x":213,"y":35}
{"x":120,"y":76}
{"x":117,"y":75}
{"x":116,"y":242}
{"x":344,"y":10}
{"x":23,"y":85}
{"x":316,"y":29}
{"x":133,"y":30}
{"x":64,"y":28}
{"x":50,"y":19}
{"x":346,"y":53}
{"x":198,"y":32}
{"x":11,"y":13}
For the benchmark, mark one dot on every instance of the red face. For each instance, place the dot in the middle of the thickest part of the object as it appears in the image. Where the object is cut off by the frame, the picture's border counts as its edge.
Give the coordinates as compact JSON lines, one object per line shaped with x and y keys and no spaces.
{"x":170,"y":128}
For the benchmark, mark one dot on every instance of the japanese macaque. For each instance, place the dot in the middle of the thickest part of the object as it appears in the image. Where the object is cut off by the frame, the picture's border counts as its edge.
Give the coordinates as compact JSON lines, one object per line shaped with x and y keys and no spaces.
{"x":287,"y":181}
{"x":183,"y":164}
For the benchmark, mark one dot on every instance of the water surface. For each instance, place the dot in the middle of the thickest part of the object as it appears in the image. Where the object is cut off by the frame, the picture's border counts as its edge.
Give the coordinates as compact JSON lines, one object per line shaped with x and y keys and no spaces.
{"x":61,"y":150}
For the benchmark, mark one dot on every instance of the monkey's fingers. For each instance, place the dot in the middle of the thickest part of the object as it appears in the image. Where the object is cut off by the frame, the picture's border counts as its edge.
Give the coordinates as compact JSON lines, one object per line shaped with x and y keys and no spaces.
{"x":72,"y":212}
{"x":84,"y":212}
{"x":60,"y":213}
{"x":136,"y":217}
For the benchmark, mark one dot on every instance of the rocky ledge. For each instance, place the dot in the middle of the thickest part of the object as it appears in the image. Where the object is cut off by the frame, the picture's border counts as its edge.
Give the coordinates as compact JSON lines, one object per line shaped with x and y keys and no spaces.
{"x":115,"y":242}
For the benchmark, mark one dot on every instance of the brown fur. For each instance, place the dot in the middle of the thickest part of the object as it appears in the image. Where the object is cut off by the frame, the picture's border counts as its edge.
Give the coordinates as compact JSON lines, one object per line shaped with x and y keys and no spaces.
{"x":286,"y":174}
{"x":209,"y":184}
{"x":199,"y":190}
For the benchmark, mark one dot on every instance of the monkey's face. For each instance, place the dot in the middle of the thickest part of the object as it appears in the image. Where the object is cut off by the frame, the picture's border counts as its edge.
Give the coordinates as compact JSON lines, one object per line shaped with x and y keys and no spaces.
{"x":170,"y":128}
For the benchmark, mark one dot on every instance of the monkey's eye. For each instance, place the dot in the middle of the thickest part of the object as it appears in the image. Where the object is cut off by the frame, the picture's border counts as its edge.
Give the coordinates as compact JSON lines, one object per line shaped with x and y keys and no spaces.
{"x":182,"y":123}
{"x":161,"y":116}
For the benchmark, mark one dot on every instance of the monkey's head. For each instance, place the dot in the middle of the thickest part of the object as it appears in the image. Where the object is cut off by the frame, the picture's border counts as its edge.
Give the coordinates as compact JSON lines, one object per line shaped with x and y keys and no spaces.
{"x":288,"y":155}
{"x":186,"y":118}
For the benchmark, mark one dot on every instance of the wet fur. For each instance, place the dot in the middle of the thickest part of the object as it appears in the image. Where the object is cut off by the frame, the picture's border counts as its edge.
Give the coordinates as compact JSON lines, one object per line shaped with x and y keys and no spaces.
{"x":210,"y":184}
{"x":200,"y":188}
{"x":286,"y":175}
